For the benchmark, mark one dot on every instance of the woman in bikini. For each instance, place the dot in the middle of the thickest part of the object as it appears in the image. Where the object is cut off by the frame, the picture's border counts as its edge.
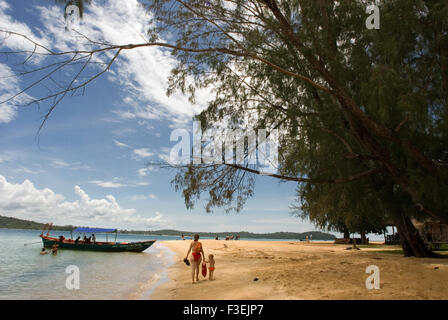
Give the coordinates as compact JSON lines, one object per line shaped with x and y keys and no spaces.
{"x":196,"y":258}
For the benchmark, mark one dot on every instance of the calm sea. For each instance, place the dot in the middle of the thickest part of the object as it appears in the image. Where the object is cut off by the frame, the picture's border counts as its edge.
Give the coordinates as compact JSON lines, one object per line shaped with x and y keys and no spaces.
{"x":26,"y":274}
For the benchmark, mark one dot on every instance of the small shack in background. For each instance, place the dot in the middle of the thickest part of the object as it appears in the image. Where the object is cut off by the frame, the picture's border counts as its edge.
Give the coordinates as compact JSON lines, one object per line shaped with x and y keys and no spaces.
{"x":392,"y":239}
{"x":432,"y":231}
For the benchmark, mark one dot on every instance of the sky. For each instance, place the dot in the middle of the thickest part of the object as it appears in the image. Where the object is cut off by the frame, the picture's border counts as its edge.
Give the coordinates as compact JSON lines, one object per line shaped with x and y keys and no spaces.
{"x":87,"y":164}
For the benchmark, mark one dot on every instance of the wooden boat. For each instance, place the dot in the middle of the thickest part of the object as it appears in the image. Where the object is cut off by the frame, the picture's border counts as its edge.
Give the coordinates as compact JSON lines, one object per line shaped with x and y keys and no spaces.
{"x":106,"y":246}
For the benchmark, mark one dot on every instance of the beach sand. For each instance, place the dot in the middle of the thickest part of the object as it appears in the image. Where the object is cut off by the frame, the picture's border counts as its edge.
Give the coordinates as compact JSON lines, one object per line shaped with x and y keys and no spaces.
{"x":300,"y":270}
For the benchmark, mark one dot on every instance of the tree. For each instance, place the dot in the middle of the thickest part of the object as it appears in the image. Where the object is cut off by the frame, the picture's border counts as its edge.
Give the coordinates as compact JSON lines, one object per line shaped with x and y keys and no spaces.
{"x":347,"y":208}
{"x":373,"y":88}
{"x":351,"y":103}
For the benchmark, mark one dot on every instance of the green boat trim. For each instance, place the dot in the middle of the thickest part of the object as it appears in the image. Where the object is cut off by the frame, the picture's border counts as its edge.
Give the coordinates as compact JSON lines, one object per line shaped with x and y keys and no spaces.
{"x":140,"y":246}
{"x":62,"y":243}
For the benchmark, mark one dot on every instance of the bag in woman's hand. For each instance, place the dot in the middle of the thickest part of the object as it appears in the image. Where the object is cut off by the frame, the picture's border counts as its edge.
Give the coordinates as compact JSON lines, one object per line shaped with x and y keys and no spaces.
{"x":204,"y":270}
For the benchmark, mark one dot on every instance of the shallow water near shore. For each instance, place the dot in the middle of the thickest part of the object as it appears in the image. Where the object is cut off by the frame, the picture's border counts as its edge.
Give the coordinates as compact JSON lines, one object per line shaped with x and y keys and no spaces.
{"x":26,"y":274}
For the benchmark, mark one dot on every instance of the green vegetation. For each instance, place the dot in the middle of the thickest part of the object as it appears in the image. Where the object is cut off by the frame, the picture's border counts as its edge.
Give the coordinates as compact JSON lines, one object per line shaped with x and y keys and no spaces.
{"x":13,"y":223}
{"x":361,"y":114}
{"x":442,"y":247}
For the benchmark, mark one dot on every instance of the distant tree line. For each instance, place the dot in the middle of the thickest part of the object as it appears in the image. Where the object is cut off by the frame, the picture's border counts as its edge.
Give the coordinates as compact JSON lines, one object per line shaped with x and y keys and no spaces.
{"x":14,"y":223}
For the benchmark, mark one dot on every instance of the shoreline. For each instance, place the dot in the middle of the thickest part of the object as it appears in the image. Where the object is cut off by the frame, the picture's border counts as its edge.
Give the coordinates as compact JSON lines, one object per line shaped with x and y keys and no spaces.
{"x":145,"y":289}
{"x":269,"y":270}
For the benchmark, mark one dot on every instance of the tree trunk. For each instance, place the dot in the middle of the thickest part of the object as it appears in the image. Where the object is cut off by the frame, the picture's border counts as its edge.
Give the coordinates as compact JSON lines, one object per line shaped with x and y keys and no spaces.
{"x":363,"y":237}
{"x":346,"y":234}
{"x":411,"y":241}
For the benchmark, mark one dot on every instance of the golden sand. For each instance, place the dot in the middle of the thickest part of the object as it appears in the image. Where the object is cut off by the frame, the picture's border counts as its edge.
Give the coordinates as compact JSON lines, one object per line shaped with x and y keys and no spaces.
{"x":300,"y":270}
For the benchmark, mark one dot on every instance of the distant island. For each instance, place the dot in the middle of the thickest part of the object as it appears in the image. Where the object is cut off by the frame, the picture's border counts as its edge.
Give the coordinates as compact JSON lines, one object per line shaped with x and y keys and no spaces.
{"x":14,"y":223}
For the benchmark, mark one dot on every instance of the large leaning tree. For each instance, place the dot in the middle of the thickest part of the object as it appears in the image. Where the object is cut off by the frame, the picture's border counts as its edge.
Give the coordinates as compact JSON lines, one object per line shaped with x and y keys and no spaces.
{"x":362,"y":113}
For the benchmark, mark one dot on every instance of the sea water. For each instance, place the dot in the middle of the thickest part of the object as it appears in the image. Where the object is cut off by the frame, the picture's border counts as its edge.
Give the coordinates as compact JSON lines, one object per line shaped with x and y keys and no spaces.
{"x":26,"y":274}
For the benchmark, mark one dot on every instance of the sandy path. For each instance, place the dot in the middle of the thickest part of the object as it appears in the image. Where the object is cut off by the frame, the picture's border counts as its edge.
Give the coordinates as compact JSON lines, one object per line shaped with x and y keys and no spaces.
{"x":298,"y":270}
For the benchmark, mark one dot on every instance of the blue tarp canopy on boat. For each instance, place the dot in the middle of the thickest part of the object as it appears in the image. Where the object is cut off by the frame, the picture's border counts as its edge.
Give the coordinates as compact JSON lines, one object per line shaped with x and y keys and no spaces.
{"x":94,"y":230}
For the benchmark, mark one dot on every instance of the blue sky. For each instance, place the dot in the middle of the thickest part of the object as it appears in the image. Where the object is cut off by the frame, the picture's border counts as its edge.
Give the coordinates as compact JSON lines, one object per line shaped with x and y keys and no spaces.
{"x":88,"y":164}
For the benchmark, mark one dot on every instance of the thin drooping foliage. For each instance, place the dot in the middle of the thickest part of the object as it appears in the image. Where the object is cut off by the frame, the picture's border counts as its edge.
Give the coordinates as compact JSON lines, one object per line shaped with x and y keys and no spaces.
{"x":362,"y":113}
{"x":366,"y":107}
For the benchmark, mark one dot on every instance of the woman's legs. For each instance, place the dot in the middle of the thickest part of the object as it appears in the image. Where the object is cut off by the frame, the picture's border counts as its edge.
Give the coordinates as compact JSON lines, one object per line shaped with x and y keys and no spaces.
{"x":198,"y":264}
{"x":193,"y":269}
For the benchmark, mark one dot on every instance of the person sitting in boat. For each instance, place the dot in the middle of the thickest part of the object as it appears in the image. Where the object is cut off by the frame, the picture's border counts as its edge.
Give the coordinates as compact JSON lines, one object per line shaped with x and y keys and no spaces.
{"x":93,"y":238}
{"x":61,"y":238}
{"x":43,"y":251}
{"x":77,"y":239}
{"x":85,"y":239}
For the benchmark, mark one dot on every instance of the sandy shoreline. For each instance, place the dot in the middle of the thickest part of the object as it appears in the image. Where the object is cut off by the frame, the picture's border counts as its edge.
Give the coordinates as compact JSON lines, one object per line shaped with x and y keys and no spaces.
{"x":299,"y":270}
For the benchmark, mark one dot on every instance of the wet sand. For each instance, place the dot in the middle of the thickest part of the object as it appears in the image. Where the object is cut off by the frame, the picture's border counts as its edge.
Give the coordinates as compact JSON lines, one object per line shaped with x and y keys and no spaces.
{"x":300,"y":270}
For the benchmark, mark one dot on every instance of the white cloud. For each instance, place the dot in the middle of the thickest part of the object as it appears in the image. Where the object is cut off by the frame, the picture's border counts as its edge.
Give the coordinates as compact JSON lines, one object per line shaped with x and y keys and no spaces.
{"x":9,"y":86}
{"x":142,"y":72}
{"x":164,"y":154}
{"x":22,"y":169}
{"x":5,"y":158}
{"x":143,"y":172}
{"x":138,"y":197}
{"x":141,"y":197}
{"x":143,"y":184}
{"x":25,"y":201}
{"x":121,"y":144}
{"x":142,"y":153}
{"x":107,"y":184}
{"x":123,"y":132}
{"x":18,"y":43}
{"x":61,"y":164}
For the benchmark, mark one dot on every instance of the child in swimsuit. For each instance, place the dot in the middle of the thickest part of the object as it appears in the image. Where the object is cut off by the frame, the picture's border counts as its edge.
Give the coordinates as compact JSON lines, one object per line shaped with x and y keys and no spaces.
{"x":211,"y":267}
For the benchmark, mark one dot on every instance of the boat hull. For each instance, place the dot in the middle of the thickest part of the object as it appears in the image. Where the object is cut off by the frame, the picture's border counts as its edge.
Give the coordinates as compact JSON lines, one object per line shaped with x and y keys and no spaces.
{"x":49,"y":242}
